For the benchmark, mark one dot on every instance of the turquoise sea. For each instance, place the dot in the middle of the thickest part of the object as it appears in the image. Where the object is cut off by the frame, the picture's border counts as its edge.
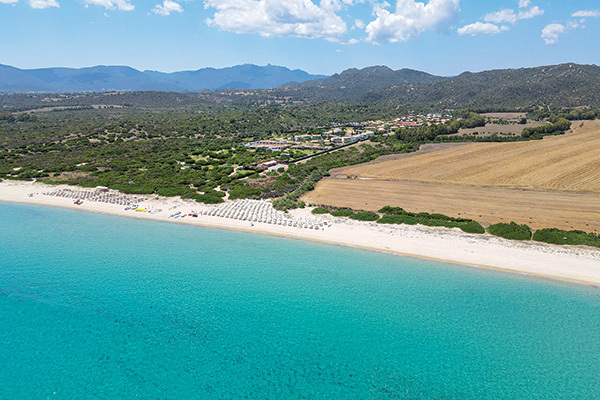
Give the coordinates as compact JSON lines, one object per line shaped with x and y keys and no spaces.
{"x":101,"y":307}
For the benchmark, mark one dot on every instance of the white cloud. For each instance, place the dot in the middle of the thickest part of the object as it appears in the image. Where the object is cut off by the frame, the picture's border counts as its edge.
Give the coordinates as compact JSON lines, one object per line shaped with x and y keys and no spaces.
{"x":298,"y":18}
{"x":9,"y":1}
{"x":410,"y":19}
{"x":39,"y":4}
{"x":501,"y":16}
{"x":531,"y":13}
{"x":551,"y":32}
{"x":359,"y":24}
{"x":586,"y":14}
{"x":167,"y":8}
{"x":479,"y":28}
{"x":122,"y":5}
{"x":510,"y":16}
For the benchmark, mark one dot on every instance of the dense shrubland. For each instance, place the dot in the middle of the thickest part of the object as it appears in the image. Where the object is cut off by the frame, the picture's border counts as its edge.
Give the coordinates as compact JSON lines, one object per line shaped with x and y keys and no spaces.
{"x":192,"y":145}
{"x":510,"y":231}
{"x":397,"y":215}
{"x":558,"y":236}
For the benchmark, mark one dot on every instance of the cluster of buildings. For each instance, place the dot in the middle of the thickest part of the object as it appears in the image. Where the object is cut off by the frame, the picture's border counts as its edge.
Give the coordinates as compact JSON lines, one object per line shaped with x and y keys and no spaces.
{"x":421,"y":119}
{"x":346,"y":133}
{"x":353,"y":136}
{"x":268,"y":144}
{"x":410,"y":120}
{"x":270,"y":165}
{"x":342,"y":134}
{"x":319,"y":141}
{"x":337,"y":135}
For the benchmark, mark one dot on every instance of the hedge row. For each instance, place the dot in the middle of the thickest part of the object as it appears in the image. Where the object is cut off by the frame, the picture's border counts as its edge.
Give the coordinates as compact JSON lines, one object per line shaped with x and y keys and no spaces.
{"x":365,"y":216}
{"x":468,"y":226}
{"x":547,"y":235}
{"x":558,"y":236}
{"x":510,"y":231}
{"x":396,"y":215}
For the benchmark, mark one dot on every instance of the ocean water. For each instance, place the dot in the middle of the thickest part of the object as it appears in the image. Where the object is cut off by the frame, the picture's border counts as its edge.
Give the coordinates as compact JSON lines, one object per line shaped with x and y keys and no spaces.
{"x":95,"y":306}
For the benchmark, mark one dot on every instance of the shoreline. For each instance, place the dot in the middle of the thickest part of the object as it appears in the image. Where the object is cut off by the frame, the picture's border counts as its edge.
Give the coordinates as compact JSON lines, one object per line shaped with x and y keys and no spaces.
{"x":575,"y":264}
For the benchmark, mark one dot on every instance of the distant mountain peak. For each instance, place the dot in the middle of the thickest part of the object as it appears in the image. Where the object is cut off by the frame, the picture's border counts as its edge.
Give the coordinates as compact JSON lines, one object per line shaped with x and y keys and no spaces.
{"x":374,"y":77}
{"x":101,"y":78}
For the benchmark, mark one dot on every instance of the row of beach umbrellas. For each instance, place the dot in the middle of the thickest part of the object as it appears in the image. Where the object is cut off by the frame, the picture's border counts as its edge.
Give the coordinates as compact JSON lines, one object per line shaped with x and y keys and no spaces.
{"x":261,"y":211}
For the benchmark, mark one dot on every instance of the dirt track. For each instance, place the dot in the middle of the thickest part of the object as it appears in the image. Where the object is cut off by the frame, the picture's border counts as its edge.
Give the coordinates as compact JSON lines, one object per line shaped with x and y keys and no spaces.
{"x":554,"y":182}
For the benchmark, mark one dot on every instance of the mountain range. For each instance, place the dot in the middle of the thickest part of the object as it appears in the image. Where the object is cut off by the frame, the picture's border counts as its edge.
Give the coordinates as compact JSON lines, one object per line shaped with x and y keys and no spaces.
{"x":566,"y":85}
{"x":121,"y":78}
{"x":369,"y":78}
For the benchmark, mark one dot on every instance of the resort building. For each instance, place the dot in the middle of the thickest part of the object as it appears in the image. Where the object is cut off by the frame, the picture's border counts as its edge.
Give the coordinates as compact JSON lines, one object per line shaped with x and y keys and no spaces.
{"x":266,"y":164}
{"x":268,"y":144}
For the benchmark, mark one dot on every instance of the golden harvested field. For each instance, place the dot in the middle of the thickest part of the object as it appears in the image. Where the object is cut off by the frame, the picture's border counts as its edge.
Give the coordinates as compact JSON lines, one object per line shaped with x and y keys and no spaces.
{"x":567,"y":162}
{"x":510,"y":116}
{"x":513,"y":128}
{"x":502,"y":130}
{"x":554,"y":182}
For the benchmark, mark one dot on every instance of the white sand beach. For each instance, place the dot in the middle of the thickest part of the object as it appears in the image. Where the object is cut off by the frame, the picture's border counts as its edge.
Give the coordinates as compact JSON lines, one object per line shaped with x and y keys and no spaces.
{"x":579,"y":264}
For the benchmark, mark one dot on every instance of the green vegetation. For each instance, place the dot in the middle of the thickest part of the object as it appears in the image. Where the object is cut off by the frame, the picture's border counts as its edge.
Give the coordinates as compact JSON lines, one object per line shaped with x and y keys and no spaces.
{"x":347,"y":212}
{"x":510,"y":231}
{"x":190,"y":153}
{"x":431,"y":132}
{"x":365,"y":216}
{"x":515,"y":231}
{"x":387,"y":210}
{"x":558,"y":236}
{"x":558,"y":126}
{"x":470,"y":119}
{"x":194,"y":144}
{"x":313,"y":170}
{"x":396,"y":215}
{"x":342,"y":212}
{"x":581,"y":113}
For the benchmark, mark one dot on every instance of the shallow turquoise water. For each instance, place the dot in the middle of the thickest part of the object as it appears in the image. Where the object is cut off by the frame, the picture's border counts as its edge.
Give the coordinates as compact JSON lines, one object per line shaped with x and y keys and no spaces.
{"x":94,"y":306}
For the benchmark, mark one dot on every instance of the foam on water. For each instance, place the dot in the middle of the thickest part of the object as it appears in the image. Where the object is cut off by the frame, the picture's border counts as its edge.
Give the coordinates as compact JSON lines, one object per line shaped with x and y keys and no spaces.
{"x":95,"y":306}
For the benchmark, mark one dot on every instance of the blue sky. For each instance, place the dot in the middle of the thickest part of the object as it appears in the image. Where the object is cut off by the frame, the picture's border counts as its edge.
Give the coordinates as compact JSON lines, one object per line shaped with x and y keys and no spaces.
{"x":443,"y":37}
